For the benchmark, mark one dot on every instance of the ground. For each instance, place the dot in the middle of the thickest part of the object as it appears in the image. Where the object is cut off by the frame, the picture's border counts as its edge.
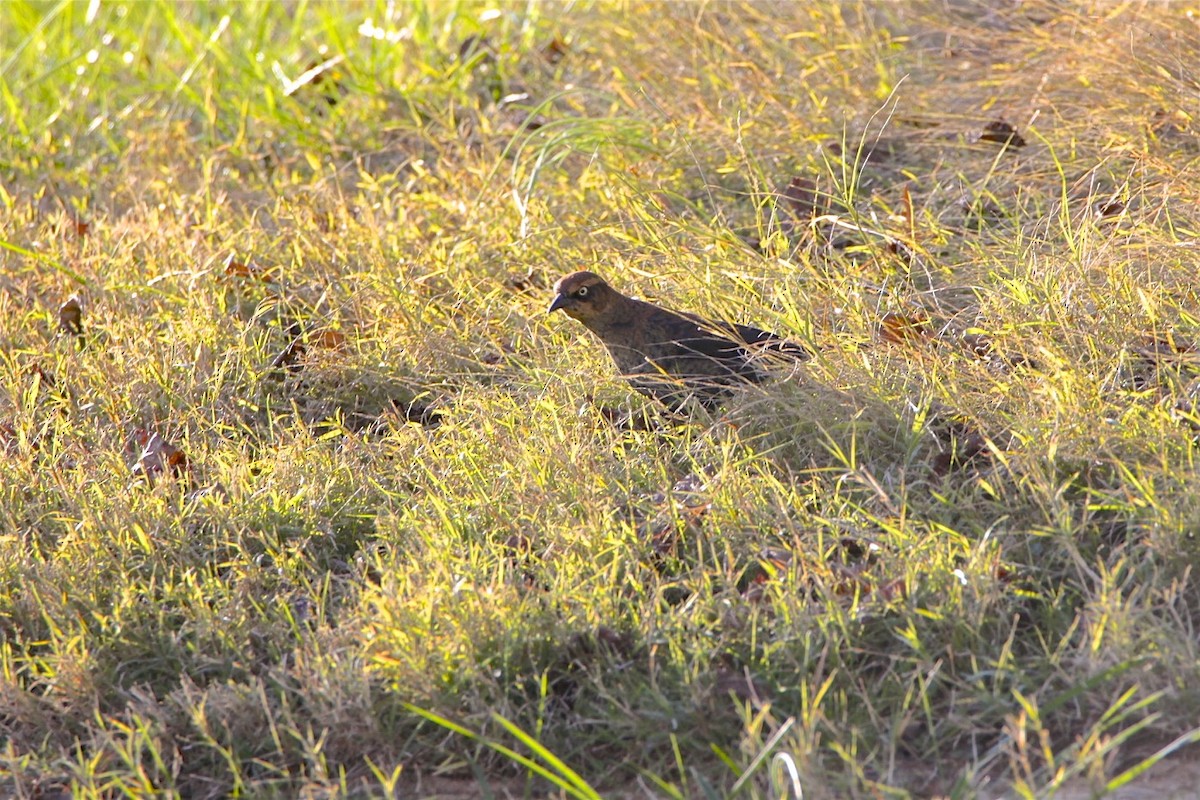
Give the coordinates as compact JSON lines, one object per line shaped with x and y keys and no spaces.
{"x":302,"y":492}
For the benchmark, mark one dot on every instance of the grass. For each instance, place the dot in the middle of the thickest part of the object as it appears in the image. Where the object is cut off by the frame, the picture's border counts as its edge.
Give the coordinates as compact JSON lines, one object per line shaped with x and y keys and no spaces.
{"x":388,"y":540}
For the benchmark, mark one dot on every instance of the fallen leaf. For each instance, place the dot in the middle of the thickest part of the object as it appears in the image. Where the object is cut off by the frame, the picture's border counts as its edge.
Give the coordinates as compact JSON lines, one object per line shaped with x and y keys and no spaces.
{"x":768,"y":566}
{"x":624,"y":419}
{"x":554,"y":50}
{"x":235,"y":269}
{"x":671,"y":515}
{"x":70,"y":316}
{"x":1105,"y":209}
{"x":1167,"y":352}
{"x":1166,"y":124}
{"x":330,"y":339}
{"x":905,"y":328}
{"x":44,"y":376}
{"x":854,"y":549}
{"x":8,"y":438}
{"x":895,"y":589}
{"x":741,"y":684}
{"x":316,"y":74}
{"x":800,"y":198}
{"x":427,"y":416}
{"x":981,"y":346}
{"x":158,"y":456}
{"x":1001,"y":133}
{"x":960,"y":445}
{"x":290,"y":356}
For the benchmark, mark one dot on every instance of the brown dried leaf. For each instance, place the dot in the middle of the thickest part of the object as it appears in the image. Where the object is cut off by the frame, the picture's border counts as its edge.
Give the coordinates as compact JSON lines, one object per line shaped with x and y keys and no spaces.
{"x":1001,"y":133}
{"x":522,"y":559}
{"x":330,"y":339}
{"x":44,"y":376}
{"x":680,"y":512}
{"x":960,"y":445}
{"x":425,"y":415}
{"x":627,"y":420}
{"x":554,"y":50}
{"x":70,"y":316}
{"x":905,"y":328}
{"x":1166,"y":348}
{"x":981,"y":346}
{"x":895,"y":589}
{"x":315,"y":74}
{"x":741,"y":684}
{"x":289,"y":357}
{"x":1106,"y":209}
{"x":158,"y":456}
{"x":800,"y":198}
{"x":8,"y":438}
{"x":1165,"y":124}
{"x":853,"y":549}
{"x":243,"y":270}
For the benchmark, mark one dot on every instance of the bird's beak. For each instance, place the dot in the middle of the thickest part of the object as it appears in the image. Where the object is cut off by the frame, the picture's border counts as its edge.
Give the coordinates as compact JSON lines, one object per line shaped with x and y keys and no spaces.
{"x":560,"y":300}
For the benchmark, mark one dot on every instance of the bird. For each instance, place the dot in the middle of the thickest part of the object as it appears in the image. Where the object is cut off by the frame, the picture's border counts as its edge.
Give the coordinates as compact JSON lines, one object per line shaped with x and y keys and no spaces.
{"x":670,"y":356}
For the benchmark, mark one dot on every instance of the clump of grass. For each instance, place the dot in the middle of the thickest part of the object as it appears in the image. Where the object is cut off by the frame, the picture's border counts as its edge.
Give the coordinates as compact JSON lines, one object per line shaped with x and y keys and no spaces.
{"x":400,"y":544}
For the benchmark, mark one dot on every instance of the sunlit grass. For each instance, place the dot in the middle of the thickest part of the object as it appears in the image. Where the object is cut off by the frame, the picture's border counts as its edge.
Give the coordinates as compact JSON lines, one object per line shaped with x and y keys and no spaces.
{"x":408,"y":550}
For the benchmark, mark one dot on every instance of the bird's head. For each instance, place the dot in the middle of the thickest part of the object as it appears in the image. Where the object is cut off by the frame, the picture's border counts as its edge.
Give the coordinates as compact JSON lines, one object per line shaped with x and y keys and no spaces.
{"x":583,"y":296}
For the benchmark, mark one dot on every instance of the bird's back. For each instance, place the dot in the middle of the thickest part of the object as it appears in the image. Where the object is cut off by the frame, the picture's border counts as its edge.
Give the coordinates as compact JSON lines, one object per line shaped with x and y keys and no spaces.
{"x":674,"y":355}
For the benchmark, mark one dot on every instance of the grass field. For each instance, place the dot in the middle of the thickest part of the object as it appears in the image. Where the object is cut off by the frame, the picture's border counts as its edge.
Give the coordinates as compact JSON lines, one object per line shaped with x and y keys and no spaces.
{"x":302,"y":493}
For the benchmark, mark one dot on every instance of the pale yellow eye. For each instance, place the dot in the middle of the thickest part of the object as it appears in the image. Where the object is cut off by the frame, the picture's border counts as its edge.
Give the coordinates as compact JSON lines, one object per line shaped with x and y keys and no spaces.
{"x":582,"y":291}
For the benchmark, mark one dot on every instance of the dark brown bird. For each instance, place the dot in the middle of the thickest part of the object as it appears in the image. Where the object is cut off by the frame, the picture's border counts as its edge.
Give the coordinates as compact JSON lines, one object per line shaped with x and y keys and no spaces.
{"x":669,"y":355}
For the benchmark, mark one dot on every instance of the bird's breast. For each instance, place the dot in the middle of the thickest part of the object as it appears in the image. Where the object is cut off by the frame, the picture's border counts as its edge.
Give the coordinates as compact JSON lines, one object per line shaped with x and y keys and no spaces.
{"x":628,"y":359}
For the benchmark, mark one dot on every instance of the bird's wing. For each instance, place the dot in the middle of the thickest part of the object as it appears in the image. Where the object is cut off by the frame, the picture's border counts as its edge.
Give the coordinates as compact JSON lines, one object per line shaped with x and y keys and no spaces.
{"x":747,"y":337}
{"x":704,"y":338}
